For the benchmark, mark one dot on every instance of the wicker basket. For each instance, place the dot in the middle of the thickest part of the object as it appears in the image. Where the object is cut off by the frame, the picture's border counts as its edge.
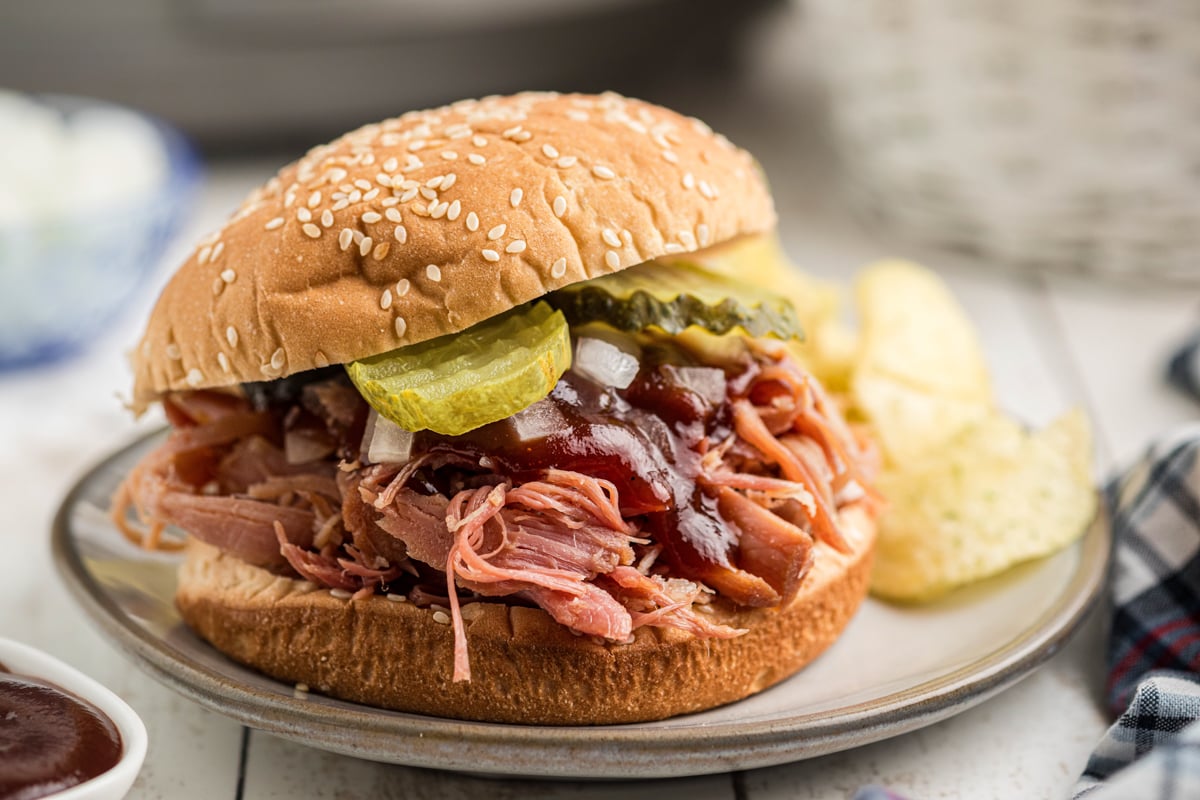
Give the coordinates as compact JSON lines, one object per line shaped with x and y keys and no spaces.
{"x":1041,"y":134}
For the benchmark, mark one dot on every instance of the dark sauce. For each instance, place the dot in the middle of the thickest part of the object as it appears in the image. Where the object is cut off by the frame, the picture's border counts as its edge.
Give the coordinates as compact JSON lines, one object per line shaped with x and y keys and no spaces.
{"x":647,"y":440}
{"x":50,"y":739}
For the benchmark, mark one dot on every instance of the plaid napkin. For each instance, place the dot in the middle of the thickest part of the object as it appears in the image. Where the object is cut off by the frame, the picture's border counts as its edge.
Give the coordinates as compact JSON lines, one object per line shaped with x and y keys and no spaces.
{"x":1152,"y":752}
{"x":1183,"y":371}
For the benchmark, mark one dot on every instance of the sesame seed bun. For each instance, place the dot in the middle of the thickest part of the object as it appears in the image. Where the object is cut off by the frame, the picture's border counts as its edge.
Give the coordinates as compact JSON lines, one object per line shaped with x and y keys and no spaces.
{"x":431,"y":222}
{"x":525,"y":667}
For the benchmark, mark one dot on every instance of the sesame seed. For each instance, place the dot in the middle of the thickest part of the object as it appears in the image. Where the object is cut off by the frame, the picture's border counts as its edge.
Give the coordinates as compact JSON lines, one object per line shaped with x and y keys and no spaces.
{"x":689,"y":180}
{"x":194,"y":377}
{"x":326,"y":218}
{"x":288,"y":199}
{"x":223,"y":361}
{"x":340,"y":204}
{"x":205,"y":252}
{"x":612,"y":259}
{"x":381,"y":250}
{"x":610,"y":238}
{"x":479,"y":141}
{"x":363,"y":184}
{"x":217,"y":285}
{"x":340,"y":594}
{"x":427,"y":193}
{"x":450,"y":179}
{"x":337,"y":175}
{"x":314,"y":200}
{"x":567,"y":162}
{"x":231,"y":336}
{"x":320,"y":359}
{"x":441,"y":617}
{"x":388,"y":202}
{"x":303,"y":214}
{"x":408,"y":195}
{"x":603,"y":172}
{"x":311,"y":230}
{"x":476,"y":159}
{"x":559,"y":269}
{"x":688,"y":239}
{"x":393,"y":214}
{"x":371,"y":217}
{"x":228,"y":275}
{"x":560,"y":206}
{"x":357,"y":235}
{"x":707,"y":190}
{"x":491,"y":255}
{"x":402,"y":287}
{"x":438,"y":210}
{"x":401,"y":234}
{"x":383,"y":179}
{"x":523,"y":136}
{"x":364,"y":246}
{"x":277,"y":359}
{"x":401,"y":326}
{"x":673,"y":247}
{"x":472,"y":221}
{"x":396,"y":598}
{"x":511,"y":132}
{"x":173,"y":352}
{"x":385,"y":299}
{"x":435,"y":182}
{"x":371,"y":195}
{"x":454,"y":210}
{"x":670,"y":156}
{"x":434,"y":272}
{"x":391,"y":164}
{"x":275,"y":223}
{"x":355,"y":196}
{"x":516,"y":246}
{"x":702,"y":234}
{"x":496,"y":232}
{"x":514,"y":197}
{"x":550,"y":151}
{"x":345,"y":238}
{"x":449,"y":155}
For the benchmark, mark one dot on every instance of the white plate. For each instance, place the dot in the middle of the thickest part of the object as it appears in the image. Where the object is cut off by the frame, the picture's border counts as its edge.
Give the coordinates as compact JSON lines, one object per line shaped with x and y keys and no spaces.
{"x":21,"y":659}
{"x":894,"y":670}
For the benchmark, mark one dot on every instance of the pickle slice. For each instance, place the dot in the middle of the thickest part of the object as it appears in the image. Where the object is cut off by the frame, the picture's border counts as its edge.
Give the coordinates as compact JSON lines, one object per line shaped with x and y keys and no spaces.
{"x":456,"y":383}
{"x":674,"y":297}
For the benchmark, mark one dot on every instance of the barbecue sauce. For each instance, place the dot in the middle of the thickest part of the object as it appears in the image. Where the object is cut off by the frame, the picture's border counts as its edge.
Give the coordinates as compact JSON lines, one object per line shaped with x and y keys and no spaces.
{"x":647,"y":440}
{"x":50,"y":739}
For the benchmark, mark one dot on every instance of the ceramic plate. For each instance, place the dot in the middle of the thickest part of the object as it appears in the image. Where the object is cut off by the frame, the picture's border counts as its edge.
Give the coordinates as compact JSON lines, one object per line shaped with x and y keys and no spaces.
{"x":894,"y":670}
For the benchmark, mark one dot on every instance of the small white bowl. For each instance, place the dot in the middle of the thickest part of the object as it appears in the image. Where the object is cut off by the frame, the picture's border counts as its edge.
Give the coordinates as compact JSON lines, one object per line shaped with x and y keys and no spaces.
{"x":22,"y":659}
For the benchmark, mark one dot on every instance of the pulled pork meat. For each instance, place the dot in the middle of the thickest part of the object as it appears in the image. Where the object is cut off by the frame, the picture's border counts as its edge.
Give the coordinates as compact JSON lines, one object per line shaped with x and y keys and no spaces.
{"x":610,"y":509}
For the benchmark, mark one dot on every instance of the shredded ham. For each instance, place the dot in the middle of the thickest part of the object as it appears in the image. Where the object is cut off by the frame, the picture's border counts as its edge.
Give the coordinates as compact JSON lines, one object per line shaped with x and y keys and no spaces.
{"x":557,"y":539}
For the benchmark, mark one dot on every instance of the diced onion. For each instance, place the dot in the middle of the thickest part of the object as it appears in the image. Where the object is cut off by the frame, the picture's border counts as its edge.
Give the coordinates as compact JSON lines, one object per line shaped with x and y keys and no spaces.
{"x":708,"y":382}
{"x":604,"y":363}
{"x":301,"y":448}
{"x":385,"y":442}
{"x":537,"y":421}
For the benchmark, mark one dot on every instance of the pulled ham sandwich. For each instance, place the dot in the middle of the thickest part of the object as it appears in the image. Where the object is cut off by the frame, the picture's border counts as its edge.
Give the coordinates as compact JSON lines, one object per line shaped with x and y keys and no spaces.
{"x":445,"y":439}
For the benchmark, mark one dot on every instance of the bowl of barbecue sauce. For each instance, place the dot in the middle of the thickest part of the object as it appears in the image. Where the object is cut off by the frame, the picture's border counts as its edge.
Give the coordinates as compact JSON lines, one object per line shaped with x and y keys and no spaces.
{"x":62,"y":734}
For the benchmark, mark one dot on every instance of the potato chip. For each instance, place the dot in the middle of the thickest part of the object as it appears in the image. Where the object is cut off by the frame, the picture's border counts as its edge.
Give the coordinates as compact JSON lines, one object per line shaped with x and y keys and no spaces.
{"x":909,"y":422}
{"x":915,"y":333}
{"x":994,"y":496}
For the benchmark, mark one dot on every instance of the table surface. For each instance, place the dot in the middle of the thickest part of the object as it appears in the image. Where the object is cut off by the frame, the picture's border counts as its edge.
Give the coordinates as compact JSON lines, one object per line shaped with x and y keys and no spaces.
{"x":1052,"y":342}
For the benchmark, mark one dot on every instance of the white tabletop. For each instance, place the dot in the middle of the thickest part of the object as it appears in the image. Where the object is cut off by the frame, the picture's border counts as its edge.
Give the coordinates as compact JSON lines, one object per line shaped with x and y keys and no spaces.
{"x":1051,"y":343}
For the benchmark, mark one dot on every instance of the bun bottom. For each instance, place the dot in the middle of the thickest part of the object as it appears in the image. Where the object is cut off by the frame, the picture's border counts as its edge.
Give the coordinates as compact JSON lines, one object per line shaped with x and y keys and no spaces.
{"x":525,"y":668}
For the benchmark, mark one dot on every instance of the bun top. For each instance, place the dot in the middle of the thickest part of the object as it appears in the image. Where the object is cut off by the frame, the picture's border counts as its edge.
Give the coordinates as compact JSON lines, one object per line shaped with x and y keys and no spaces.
{"x":428,"y":223}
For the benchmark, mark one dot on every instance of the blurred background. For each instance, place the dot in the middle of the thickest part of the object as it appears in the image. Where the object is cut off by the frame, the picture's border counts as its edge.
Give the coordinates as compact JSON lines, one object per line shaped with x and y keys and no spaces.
{"x":1027,"y":137}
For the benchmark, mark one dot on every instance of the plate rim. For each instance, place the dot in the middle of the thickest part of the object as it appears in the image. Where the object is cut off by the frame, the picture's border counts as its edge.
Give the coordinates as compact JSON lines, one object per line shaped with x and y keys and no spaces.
{"x":436,"y":742}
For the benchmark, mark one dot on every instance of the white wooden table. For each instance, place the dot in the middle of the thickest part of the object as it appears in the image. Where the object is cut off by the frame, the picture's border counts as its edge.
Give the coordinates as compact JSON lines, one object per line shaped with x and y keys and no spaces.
{"x":1051,"y":342}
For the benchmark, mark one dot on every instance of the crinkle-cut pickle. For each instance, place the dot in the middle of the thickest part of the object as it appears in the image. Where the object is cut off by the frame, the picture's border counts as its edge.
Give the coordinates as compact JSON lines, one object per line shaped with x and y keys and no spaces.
{"x":675,"y":296}
{"x":459,"y":382}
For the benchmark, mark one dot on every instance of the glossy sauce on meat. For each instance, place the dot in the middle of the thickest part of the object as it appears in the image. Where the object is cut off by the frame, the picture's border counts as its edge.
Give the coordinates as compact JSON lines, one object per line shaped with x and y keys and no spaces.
{"x":50,"y":739}
{"x":647,"y":440}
